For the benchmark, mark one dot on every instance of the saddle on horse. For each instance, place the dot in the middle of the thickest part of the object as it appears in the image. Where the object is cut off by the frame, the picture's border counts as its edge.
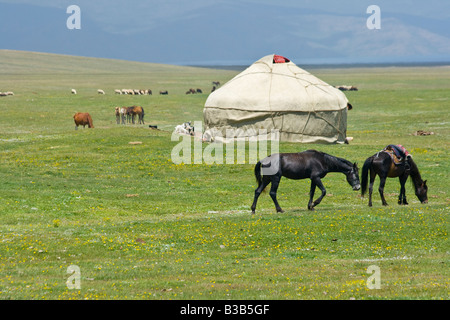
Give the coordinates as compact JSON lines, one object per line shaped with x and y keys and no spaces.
{"x":398,"y":154}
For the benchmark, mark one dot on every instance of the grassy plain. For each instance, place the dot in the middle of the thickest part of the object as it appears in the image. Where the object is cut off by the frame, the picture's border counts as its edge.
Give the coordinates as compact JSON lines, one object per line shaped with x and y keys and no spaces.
{"x":140,"y":227}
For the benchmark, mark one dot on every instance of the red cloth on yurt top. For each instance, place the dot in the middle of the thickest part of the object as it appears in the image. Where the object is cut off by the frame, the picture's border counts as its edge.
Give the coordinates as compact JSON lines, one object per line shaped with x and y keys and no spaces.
{"x":280,"y":59}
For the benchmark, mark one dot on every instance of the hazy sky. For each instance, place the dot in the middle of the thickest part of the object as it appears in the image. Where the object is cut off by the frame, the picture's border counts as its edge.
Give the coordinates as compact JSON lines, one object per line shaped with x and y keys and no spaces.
{"x":171,"y":8}
{"x":326,"y":28}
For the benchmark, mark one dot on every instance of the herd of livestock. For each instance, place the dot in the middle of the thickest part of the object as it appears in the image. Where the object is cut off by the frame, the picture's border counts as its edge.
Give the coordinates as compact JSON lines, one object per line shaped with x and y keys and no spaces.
{"x":139,"y":92}
{"x":128,"y":114}
{"x":128,"y":91}
{"x":123,"y":115}
{"x":346,"y":88}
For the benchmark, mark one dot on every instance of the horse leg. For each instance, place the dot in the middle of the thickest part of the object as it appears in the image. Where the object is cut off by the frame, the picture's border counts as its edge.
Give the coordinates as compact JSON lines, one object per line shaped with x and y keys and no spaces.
{"x":259,"y":189}
{"x":317,"y":182}
{"x":402,"y":196}
{"x":381,"y":190}
{"x":273,"y":192}
{"x":311,"y":195}
{"x":371,"y":182}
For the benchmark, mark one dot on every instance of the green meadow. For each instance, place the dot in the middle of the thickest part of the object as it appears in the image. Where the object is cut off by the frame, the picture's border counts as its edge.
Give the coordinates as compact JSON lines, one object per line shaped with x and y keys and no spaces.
{"x":111,"y":202}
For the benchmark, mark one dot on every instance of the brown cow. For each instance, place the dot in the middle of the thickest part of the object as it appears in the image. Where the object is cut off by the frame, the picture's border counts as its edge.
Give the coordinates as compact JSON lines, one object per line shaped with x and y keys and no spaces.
{"x":83,"y":119}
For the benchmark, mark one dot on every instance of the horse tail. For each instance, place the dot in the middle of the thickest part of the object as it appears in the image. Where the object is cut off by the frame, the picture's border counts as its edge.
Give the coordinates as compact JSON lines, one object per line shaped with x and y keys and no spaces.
{"x":258,"y":173}
{"x":91,"y":125}
{"x":365,"y":174}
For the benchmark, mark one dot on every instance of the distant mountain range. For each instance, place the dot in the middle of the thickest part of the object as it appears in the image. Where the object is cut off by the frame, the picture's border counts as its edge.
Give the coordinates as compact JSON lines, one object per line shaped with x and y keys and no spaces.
{"x":235,"y":35}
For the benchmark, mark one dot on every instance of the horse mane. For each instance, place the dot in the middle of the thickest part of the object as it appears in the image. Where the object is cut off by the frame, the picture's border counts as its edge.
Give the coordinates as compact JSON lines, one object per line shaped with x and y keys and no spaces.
{"x":416,"y":178}
{"x":339,"y":159}
{"x":332,"y":159}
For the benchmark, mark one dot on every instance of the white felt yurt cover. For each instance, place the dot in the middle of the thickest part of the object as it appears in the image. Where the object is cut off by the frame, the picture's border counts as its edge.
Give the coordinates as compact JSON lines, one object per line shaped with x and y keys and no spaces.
{"x":273,"y":94}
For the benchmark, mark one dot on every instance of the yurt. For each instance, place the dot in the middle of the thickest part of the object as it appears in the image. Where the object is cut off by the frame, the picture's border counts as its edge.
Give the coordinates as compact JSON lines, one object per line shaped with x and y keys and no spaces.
{"x":275,"y":95}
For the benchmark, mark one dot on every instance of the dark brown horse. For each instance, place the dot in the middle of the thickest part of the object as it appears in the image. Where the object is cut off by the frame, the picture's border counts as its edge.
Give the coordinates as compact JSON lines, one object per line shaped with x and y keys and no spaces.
{"x":310,"y":164}
{"x":383,"y":165}
{"x":83,"y":119}
{"x":136,"y":111}
{"x":129,"y":113}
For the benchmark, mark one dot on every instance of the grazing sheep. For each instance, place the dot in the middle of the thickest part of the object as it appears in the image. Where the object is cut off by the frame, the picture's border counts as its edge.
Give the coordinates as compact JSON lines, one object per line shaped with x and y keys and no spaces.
{"x":74,"y":91}
{"x":117,"y":91}
{"x":346,"y":88}
{"x":100,"y":91}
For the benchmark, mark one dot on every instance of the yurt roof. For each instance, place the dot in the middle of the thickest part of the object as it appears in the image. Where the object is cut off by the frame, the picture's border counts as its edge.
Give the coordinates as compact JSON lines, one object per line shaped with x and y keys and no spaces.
{"x":276,"y":84}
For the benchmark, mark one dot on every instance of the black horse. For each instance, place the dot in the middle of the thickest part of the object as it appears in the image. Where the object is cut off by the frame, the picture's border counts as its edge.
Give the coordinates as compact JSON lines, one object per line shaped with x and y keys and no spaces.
{"x":310,"y":164}
{"x":381,"y":164}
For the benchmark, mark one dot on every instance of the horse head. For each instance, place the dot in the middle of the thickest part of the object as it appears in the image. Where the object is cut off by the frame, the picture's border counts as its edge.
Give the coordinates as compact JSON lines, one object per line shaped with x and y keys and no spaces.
{"x":353,"y":177}
{"x":421,"y":192}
